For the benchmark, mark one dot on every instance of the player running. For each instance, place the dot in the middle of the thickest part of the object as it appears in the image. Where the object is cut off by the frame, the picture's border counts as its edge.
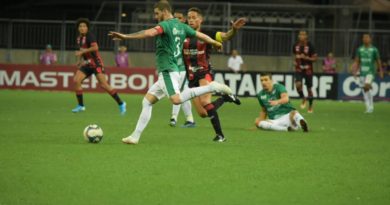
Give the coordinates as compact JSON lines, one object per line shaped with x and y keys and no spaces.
{"x":305,"y":55}
{"x":170,"y":34}
{"x":196,"y":58}
{"x":186,"y":106}
{"x":90,"y":62}
{"x":366,"y":57}
{"x":275,"y":105}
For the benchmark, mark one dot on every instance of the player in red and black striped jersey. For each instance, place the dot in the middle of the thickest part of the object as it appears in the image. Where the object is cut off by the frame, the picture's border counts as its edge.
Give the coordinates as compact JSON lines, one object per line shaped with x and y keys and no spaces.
{"x":304,"y":56}
{"x":196,"y":54}
{"x":90,"y":62}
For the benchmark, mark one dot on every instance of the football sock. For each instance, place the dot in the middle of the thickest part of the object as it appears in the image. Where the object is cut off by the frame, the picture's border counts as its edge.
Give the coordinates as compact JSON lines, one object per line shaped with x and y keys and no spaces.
{"x":115,"y":95}
{"x":143,"y":120}
{"x":366,"y":100}
{"x":310,"y":98}
{"x":370,"y":99}
{"x":301,"y":95}
{"x":175,"y":111}
{"x":270,"y":126}
{"x":218,"y":103}
{"x":187,"y":109}
{"x":79,"y":95}
{"x":188,"y":94}
{"x":212,"y":113}
{"x":297,"y":118}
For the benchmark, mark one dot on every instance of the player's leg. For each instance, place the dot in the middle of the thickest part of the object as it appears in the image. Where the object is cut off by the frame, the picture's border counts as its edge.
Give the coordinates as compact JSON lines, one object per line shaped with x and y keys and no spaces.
{"x":299,"y":86}
{"x":114,"y":94}
{"x":77,"y":80}
{"x":370,"y":94}
{"x":175,"y":113}
{"x":309,"y":85}
{"x":171,"y":79}
{"x":154,"y":94}
{"x":295,"y":120}
{"x":211,"y":110}
{"x":269,"y":125}
{"x":366,"y":93}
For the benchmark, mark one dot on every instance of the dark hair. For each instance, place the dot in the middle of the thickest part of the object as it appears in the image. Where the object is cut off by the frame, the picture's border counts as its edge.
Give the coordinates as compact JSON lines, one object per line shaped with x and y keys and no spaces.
{"x":82,"y":20}
{"x":179,"y":12}
{"x":163,"y":5}
{"x":197,"y":10}
{"x":262,"y":74}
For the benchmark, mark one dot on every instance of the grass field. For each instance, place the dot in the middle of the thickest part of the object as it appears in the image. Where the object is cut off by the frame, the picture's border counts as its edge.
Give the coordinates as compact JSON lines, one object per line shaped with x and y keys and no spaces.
{"x":344,"y":159}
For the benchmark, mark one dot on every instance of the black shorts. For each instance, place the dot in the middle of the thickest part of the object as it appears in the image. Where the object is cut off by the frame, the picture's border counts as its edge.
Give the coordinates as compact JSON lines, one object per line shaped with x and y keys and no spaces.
{"x":193,"y":80}
{"x":88,"y":71}
{"x":303,"y":75}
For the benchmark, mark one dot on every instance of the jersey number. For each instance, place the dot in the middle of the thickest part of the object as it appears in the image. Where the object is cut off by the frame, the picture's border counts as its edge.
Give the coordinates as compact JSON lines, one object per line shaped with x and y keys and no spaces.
{"x":178,"y":50}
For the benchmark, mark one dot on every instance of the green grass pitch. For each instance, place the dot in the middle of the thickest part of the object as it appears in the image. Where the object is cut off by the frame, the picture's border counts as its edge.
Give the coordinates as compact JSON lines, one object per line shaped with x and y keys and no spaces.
{"x":344,"y":159}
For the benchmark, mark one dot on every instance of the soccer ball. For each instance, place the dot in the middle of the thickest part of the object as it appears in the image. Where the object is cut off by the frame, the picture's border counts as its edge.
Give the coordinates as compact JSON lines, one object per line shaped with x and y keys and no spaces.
{"x":93,"y":133}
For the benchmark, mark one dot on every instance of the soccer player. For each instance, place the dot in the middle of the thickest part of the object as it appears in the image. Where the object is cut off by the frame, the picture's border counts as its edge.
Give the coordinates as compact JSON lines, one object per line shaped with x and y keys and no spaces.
{"x":305,"y":55}
{"x":90,"y":62}
{"x":196,"y":58}
{"x":366,"y":57}
{"x":170,"y":34}
{"x":277,"y":113}
{"x":186,"y":106}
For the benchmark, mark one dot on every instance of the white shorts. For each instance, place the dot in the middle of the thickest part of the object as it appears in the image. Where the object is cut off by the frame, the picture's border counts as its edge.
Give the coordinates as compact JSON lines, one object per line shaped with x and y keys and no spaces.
{"x":366,"y":79}
{"x":183,"y":80}
{"x":283,"y":121}
{"x":168,"y":84}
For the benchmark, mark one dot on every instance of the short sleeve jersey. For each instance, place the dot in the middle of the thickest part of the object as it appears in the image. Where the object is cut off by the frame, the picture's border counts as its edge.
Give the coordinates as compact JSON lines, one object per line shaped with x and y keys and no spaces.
{"x":169,"y":44}
{"x":93,"y":58}
{"x":306,"y":49}
{"x":367,"y":57}
{"x":274,"y":112}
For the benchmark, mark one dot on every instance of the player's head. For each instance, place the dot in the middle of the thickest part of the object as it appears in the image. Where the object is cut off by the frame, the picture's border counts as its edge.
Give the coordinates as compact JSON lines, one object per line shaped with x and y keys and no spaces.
{"x":180,"y":15}
{"x":48,"y":48}
{"x":194,"y":17}
{"x":82,"y":25}
{"x":162,"y":9}
{"x":366,"y":39}
{"x":302,"y":36}
{"x":234,"y":53}
{"x":330,"y":55}
{"x":266,"y":81}
{"x":122,"y":49}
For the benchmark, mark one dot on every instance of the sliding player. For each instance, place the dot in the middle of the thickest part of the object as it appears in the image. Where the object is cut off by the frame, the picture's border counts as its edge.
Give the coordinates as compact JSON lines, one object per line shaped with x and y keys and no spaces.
{"x":277,"y":113}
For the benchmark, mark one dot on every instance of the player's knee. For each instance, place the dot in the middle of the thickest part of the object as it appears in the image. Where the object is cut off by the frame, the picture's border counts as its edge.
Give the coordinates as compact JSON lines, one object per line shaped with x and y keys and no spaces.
{"x":257,"y":122}
{"x":175,"y":100}
{"x":203,"y":114}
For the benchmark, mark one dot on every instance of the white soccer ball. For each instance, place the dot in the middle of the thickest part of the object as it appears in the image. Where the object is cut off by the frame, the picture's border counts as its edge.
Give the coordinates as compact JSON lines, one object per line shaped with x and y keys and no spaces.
{"x":93,"y":133}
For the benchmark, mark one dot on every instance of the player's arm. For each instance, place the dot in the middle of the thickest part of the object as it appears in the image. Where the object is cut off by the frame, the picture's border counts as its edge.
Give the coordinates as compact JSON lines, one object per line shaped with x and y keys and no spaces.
{"x":94,"y":47}
{"x":208,"y":40}
{"x":236,"y":25}
{"x":379,"y":66}
{"x":355,"y":66}
{"x":311,"y":58}
{"x":283,"y":100}
{"x":262,"y":116}
{"x":148,"y":33}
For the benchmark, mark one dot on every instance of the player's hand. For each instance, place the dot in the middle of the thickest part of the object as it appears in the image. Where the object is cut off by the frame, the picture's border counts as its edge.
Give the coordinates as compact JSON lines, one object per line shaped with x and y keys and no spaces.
{"x":116,"y":36}
{"x":273,"y":102}
{"x":218,"y":46}
{"x":78,"y":53}
{"x":239,"y":23}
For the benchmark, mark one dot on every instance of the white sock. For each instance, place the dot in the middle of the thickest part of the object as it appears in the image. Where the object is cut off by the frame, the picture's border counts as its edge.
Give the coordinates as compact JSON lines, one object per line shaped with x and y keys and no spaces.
{"x":270,"y":126}
{"x":188,"y":94}
{"x":143,"y":119}
{"x":370,"y":95}
{"x":187,"y":109}
{"x":175,"y":111}
{"x":297,"y":118}
{"x":366,"y":100}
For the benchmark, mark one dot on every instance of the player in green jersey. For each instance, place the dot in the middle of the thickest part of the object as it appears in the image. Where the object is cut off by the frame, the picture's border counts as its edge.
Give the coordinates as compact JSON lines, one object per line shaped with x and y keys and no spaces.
{"x":170,"y":34}
{"x":277,"y":113}
{"x":367,"y":56}
{"x":186,"y":106}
